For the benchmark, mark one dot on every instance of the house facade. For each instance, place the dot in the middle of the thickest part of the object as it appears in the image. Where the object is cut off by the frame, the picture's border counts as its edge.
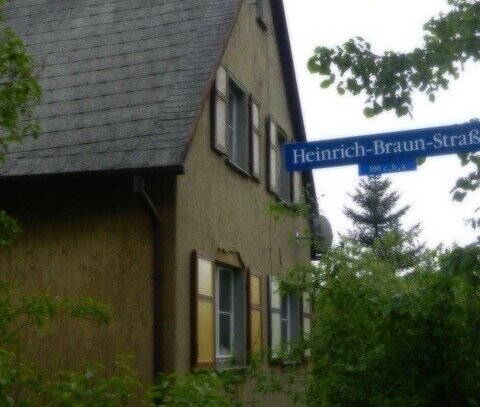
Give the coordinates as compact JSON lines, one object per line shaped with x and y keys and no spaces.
{"x":163,"y":125}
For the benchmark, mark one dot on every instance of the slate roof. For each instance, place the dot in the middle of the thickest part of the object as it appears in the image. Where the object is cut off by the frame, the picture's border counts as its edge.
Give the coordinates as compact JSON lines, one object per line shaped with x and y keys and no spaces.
{"x":122,"y":80}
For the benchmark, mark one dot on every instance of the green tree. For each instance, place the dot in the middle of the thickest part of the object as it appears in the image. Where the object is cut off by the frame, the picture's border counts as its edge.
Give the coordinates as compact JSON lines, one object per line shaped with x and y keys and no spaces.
{"x":376,"y":216}
{"x":376,"y":212}
{"x":388,"y":80}
{"x":22,"y":384}
{"x":382,"y":339}
{"x":25,"y":385}
{"x":19,"y":94}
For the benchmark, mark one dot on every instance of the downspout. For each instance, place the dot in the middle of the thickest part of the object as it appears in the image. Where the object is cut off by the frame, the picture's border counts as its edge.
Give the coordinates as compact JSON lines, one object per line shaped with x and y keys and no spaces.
{"x":139,"y":190}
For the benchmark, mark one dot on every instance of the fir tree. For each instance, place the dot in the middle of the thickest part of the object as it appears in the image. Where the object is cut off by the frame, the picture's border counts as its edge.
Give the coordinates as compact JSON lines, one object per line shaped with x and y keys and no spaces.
{"x":377,"y":213}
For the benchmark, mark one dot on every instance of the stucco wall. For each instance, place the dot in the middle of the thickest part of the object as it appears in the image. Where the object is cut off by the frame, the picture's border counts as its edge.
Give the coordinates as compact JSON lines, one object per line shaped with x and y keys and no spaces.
{"x":86,"y":237}
{"x":218,"y":208}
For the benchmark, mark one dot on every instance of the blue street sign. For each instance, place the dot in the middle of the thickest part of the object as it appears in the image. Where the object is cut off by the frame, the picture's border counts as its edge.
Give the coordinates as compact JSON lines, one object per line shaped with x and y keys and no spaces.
{"x":385,"y":168}
{"x":383,"y":148}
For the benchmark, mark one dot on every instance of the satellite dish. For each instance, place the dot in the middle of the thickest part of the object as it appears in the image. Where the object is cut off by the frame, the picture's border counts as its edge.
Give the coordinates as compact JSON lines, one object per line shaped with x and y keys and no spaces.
{"x":322,"y":236}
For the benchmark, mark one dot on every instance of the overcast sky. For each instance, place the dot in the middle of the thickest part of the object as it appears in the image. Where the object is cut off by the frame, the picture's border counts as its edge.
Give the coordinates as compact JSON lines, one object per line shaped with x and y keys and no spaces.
{"x":388,"y":25}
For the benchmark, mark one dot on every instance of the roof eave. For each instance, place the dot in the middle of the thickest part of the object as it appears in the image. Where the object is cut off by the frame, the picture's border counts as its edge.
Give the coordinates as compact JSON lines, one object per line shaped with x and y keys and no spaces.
{"x":291,"y":86}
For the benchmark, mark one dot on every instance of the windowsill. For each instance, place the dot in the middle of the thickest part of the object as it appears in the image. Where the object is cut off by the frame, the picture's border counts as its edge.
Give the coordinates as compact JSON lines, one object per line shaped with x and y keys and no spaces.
{"x":237,"y":168}
{"x":221,"y":369}
{"x":283,"y":200}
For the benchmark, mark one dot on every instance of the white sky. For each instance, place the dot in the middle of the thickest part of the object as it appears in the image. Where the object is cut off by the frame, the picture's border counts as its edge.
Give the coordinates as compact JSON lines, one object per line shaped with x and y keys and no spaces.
{"x":395,"y":25}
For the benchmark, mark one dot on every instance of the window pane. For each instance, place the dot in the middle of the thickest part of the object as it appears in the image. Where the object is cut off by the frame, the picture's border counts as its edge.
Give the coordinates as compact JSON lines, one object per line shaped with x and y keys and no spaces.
{"x":225,"y":334}
{"x":225,"y":293}
{"x":276,"y":333}
{"x":285,"y":335}
{"x":285,"y":307}
{"x":237,"y":143}
{"x":275,"y":295}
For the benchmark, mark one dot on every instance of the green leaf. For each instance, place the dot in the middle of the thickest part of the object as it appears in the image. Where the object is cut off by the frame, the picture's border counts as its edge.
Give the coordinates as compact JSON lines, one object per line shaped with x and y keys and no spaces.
{"x":326,"y":83}
{"x":369,"y":112}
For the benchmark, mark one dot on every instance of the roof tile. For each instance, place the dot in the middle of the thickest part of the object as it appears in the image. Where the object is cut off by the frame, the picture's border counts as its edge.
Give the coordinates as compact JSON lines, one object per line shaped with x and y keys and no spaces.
{"x":118,"y":91}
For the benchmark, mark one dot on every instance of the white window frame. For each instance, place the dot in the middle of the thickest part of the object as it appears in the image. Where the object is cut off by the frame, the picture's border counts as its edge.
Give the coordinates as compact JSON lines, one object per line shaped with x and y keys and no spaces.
{"x":219,"y":270}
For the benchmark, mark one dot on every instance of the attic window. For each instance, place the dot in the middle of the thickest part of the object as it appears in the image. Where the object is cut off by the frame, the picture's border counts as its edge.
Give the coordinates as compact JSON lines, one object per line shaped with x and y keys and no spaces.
{"x":236,"y":126}
{"x":284,"y":185}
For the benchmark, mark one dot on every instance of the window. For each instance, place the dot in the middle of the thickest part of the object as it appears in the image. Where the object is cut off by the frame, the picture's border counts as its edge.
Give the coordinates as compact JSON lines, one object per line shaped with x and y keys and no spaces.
{"x":236,"y":125}
{"x":286,"y":319}
{"x":285,"y":322}
{"x":237,"y":145}
{"x":219,"y":314}
{"x":230,"y":317}
{"x":286,"y":186}
{"x":285,"y":178}
{"x":224,"y":313}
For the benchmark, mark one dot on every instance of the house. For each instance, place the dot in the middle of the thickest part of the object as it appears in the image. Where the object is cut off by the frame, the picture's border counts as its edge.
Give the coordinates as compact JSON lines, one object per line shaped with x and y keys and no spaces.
{"x":162,"y":128}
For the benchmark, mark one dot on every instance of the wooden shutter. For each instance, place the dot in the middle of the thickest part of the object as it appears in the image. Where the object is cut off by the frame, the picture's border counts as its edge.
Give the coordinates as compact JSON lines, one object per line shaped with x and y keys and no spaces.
{"x":297,"y":187}
{"x":272,"y":153}
{"x":203,"y":311}
{"x":255,"y":334}
{"x":254,"y":137}
{"x":220,"y":111}
{"x":306,"y":318}
{"x":275,"y":316}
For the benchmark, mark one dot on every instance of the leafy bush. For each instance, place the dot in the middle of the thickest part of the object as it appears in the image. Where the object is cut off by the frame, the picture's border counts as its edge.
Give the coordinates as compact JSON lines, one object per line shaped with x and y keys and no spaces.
{"x":383,"y":337}
{"x":24,"y":385}
{"x":202,"y":389}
